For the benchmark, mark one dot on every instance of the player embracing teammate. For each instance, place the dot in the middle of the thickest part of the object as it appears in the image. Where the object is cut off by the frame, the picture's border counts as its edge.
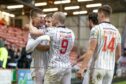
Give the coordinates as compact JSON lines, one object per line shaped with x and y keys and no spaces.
{"x":61,"y":44}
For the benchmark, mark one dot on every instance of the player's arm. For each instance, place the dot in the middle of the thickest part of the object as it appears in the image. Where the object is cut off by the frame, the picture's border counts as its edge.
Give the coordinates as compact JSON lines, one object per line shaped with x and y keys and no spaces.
{"x":118,"y":52}
{"x":43,"y":47}
{"x":92,"y":45}
{"x":32,"y":44}
{"x":90,"y":51}
{"x":118,"y":48}
{"x":33,"y":30}
{"x":78,"y":60}
{"x":88,"y":55}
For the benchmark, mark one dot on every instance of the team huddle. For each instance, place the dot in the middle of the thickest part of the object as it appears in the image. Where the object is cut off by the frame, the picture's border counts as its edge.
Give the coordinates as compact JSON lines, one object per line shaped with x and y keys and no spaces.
{"x":51,"y":42}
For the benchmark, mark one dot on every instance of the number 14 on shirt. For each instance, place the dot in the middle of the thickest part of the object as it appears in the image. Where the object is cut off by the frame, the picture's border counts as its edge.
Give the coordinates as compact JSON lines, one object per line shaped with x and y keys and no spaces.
{"x":110,"y":45}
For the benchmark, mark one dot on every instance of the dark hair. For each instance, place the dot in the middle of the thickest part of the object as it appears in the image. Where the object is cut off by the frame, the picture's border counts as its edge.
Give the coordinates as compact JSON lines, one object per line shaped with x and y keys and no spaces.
{"x":106,"y":9}
{"x":34,"y":12}
{"x":49,"y":15}
{"x":93,"y":17}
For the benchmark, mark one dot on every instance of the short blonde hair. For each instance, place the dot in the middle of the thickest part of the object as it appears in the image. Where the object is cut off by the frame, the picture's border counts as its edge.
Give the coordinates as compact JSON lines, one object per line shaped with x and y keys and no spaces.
{"x":60,"y":16}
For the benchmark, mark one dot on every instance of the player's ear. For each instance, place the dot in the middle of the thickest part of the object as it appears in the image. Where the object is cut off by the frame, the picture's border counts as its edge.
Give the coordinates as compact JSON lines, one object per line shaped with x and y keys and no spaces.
{"x":33,"y":20}
{"x":102,"y":15}
{"x":90,"y":22}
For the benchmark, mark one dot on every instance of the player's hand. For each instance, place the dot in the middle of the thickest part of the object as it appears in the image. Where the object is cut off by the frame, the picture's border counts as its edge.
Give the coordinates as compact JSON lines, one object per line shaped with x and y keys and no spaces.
{"x":26,"y":26}
{"x":79,"y":74}
{"x":31,"y":27}
{"x":74,"y":63}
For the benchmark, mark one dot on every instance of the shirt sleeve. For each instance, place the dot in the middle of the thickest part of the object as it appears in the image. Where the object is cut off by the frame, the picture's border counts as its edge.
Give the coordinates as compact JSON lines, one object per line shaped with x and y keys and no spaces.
{"x":94,"y":33}
{"x":45,"y":42}
{"x":32,"y":43}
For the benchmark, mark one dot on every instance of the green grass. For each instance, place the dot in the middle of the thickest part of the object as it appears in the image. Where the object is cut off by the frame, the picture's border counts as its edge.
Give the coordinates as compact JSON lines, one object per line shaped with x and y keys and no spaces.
{"x":124,"y":82}
{"x":121,"y":80}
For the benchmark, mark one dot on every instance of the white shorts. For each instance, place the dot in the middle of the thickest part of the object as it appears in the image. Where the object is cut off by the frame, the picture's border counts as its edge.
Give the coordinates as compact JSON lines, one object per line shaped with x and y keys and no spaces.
{"x":98,"y":76}
{"x":86,"y":77}
{"x":38,"y":75}
{"x":57,"y":76}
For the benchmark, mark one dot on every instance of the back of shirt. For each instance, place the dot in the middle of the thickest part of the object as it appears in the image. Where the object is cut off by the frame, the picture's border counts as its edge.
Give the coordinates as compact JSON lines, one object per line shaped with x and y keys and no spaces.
{"x":62,"y":41}
{"x":108,"y":37}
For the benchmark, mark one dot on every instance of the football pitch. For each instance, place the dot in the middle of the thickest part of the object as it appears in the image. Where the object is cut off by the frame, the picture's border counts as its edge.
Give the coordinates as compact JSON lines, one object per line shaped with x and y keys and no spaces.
{"x":119,"y":80}
{"x":124,"y":82}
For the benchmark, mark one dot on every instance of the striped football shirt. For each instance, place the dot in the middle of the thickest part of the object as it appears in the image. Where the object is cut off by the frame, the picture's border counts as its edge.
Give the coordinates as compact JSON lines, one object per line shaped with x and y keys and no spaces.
{"x":62,"y":41}
{"x":39,"y":58}
{"x":108,"y":37}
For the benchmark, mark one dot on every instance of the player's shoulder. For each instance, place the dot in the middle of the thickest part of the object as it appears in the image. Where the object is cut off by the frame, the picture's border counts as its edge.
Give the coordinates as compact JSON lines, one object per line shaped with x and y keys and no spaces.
{"x":51,"y":28}
{"x":95,"y":28}
{"x":68,"y":29}
{"x":116,"y":29}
